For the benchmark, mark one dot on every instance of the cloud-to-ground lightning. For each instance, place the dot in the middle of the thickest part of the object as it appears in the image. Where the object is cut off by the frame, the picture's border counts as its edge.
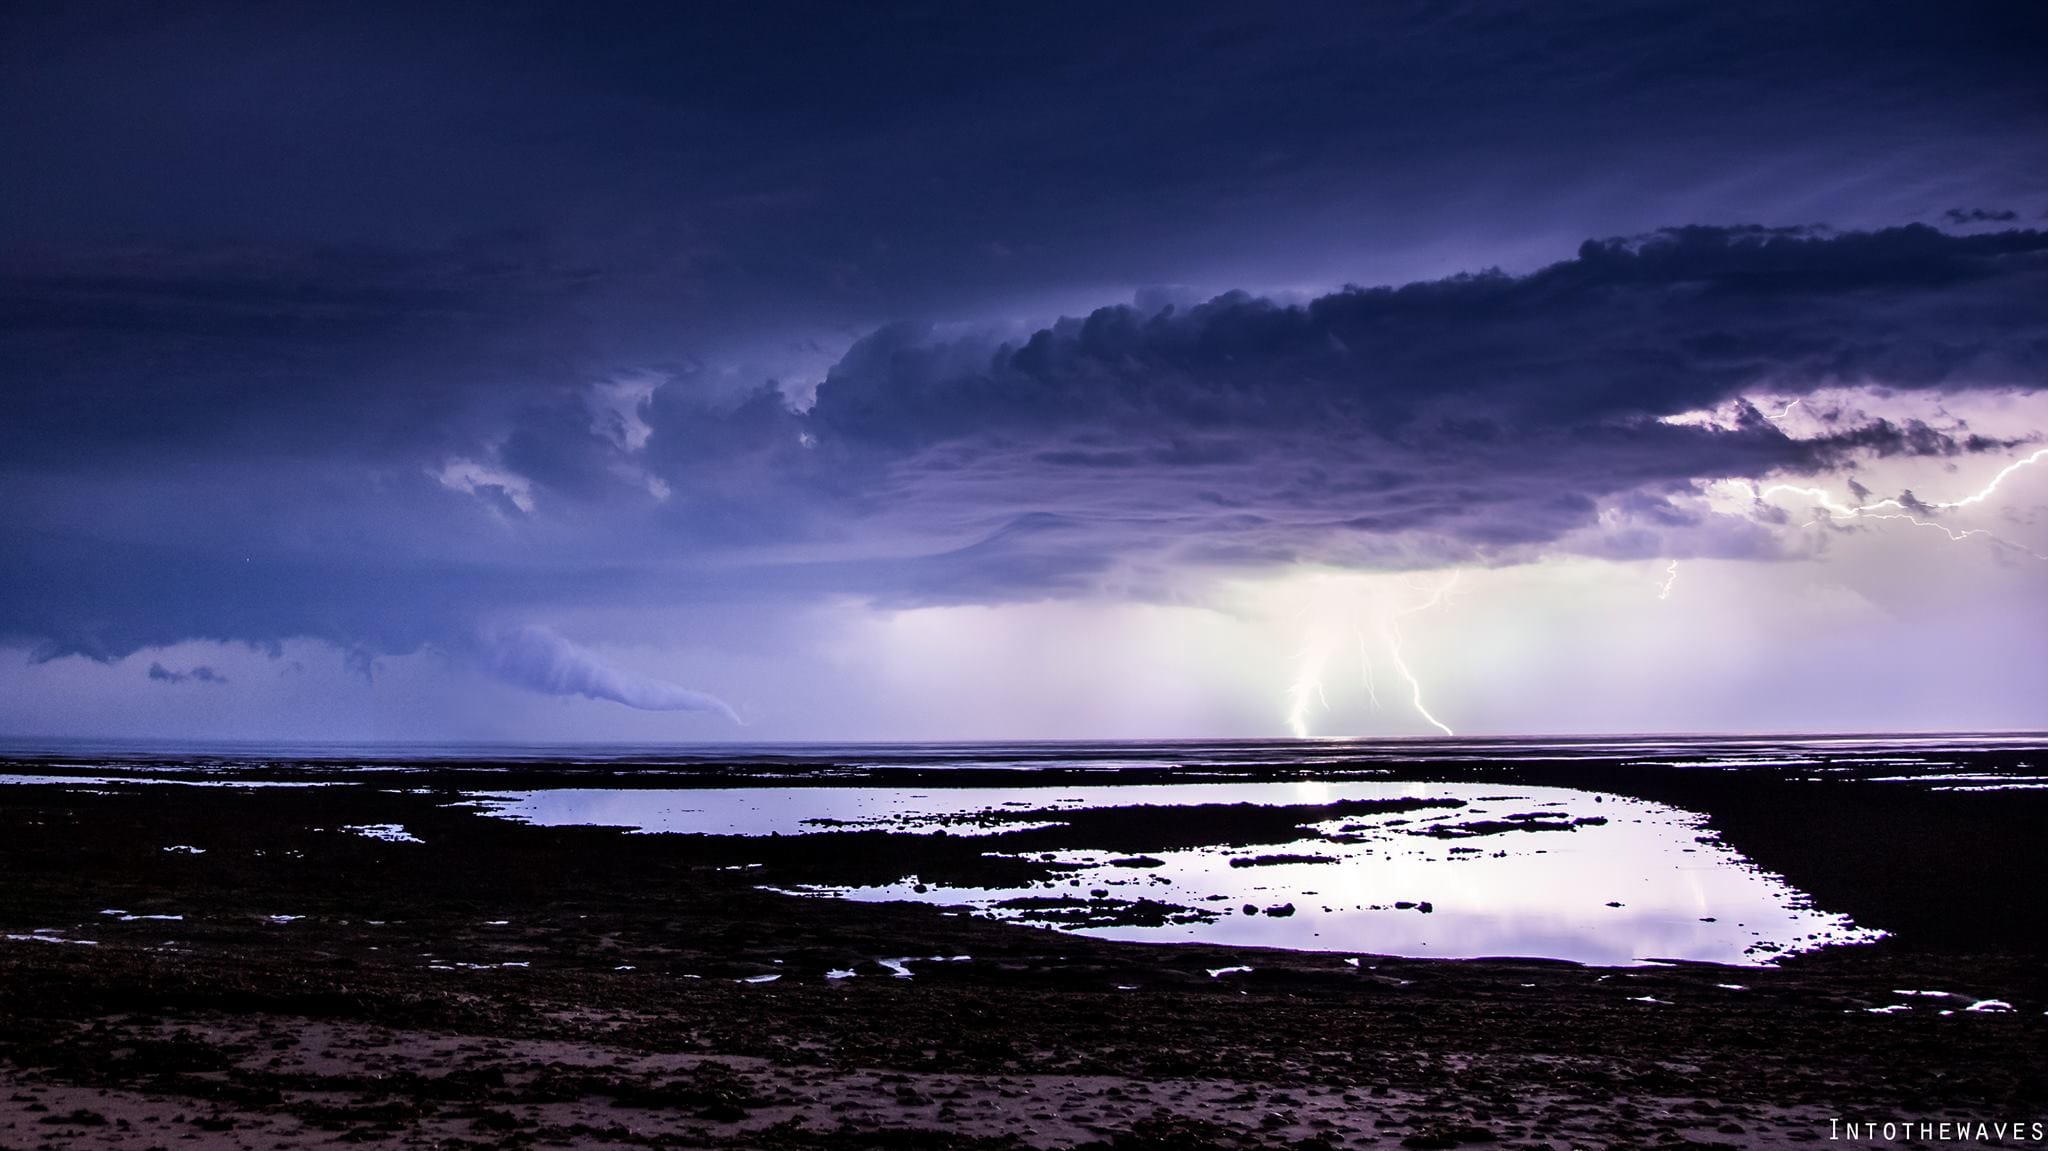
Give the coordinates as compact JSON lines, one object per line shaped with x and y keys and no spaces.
{"x":1670,"y":580}
{"x":1308,"y":681}
{"x":1372,"y":690}
{"x":1308,"y":691}
{"x":1393,"y":633}
{"x":1308,"y":684}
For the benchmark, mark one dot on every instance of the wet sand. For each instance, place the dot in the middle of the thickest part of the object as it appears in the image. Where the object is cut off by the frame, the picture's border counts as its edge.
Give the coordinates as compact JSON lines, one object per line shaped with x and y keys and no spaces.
{"x":497,"y":984}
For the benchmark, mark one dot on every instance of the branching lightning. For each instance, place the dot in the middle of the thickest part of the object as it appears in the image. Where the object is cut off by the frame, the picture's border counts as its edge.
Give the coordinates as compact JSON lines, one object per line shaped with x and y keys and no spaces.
{"x":1374,"y":610}
{"x":1984,"y":493}
{"x":1308,"y":693}
{"x":1372,"y":690}
{"x":1393,"y":632}
{"x":1898,"y":509}
{"x":1308,"y":685}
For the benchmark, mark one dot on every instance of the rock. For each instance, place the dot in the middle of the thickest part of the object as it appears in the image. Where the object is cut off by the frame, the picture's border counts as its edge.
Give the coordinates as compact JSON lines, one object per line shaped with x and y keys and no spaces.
{"x":1276,"y":860}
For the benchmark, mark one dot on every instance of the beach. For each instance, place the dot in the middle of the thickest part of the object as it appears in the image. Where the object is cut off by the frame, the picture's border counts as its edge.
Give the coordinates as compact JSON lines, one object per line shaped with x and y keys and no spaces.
{"x":253,"y":953}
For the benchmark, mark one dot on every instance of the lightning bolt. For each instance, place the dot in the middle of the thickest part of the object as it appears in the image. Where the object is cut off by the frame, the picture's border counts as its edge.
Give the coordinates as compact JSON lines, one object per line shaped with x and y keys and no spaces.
{"x":1786,"y":412}
{"x":1900,"y":510}
{"x":1372,"y":690}
{"x":1323,"y":643}
{"x":1307,"y":686}
{"x":1393,"y":634}
{"x":1670,"y":579}
{"x":1985,"y":492}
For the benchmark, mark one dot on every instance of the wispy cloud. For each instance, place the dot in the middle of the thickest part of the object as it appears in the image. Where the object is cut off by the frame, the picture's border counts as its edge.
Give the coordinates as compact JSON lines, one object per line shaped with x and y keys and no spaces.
{"x":540,"y":660}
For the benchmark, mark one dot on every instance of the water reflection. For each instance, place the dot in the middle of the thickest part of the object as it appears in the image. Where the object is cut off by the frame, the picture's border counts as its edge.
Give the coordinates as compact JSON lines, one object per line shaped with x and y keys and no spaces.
{"x":1478,"y":870}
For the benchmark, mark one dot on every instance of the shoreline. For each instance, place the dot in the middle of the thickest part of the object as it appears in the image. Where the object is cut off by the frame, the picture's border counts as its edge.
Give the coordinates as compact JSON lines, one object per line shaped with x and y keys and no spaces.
{"x":648,"y":963}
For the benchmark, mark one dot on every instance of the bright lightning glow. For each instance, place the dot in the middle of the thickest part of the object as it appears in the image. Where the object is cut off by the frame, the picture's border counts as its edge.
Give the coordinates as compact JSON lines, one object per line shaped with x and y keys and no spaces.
{"x":1951,"y":533}
{"x":1368,"y":610}
{"x":1834,"y":506}
{"x":1985,"y":493}
{"x":1957,"y":536}
{"x":1393,"y":632}
{"x":1670,"y":579}
{"x":1730,"y":415}
{"x":1896,"y":509}
{"x":1308,"y":685}
{"x":1372,"y":690}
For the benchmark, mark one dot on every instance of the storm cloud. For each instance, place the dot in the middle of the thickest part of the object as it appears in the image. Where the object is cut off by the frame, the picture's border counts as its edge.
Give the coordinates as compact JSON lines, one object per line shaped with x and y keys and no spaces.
{"x":380,"y":328}
{"x":1484,"y":418}
{"x":1471,"y":415}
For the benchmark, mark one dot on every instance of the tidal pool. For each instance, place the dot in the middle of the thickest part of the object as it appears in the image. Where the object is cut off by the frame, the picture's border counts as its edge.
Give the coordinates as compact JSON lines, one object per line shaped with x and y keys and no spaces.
{"x":1456,"y":871}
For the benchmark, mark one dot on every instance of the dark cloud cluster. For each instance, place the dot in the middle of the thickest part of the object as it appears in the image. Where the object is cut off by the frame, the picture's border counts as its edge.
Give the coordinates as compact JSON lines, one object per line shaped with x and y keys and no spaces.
{"x":200,"y":673}
{"x":145,"y":353}
{"x":1966,"y":216}
{"x":1481,"y":418}
{"x":1470,"y":418}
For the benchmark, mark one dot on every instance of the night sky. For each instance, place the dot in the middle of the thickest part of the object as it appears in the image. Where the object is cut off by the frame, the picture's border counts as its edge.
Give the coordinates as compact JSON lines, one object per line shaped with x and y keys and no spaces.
{"x":959,"y":371}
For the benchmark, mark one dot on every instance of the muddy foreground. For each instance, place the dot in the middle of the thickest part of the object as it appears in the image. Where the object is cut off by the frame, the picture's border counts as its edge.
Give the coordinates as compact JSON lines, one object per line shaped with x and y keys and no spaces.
{"x":289,"y":984}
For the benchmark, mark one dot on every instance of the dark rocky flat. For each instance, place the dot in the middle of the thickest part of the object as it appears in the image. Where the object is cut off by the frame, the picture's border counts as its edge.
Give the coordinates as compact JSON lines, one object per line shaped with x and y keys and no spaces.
{"x":503,"y":985}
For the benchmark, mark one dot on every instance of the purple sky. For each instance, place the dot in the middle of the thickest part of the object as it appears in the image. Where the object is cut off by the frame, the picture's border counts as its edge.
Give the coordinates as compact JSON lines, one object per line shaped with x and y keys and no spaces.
{"x":926,"y":371}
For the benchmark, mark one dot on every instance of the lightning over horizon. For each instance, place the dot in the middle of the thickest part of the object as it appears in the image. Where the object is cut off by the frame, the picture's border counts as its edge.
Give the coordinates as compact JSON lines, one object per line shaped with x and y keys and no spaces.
{"x":1332,"y":618}
{"x":1902,"y":510}
{"x":480,"y":372}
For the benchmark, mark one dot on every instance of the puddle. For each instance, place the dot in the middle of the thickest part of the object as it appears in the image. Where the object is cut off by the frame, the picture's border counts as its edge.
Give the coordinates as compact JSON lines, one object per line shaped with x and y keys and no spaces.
{"x":1970,"y":780}
{"x":1980,"y":1006}
{"x":1614,"y":882}
{"x":757,"y":811}
{"x":900,"y":967}
{"x":387,"y":832}
{"x":1416,"y":869}
{"x":45,"y":937}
